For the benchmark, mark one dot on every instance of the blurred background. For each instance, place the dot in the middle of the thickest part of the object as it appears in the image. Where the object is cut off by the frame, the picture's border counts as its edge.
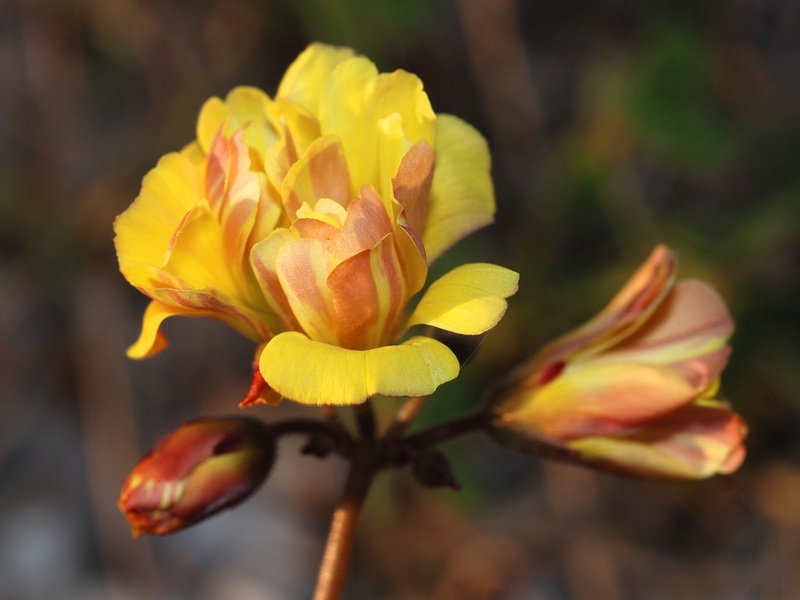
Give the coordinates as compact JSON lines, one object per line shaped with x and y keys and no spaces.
{"x":614,"y":125}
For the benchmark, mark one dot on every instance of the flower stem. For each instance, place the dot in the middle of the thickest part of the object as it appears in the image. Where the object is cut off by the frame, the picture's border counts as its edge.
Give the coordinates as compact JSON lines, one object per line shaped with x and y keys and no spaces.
{"x":341,"y":537}
{"x":444,"y":431}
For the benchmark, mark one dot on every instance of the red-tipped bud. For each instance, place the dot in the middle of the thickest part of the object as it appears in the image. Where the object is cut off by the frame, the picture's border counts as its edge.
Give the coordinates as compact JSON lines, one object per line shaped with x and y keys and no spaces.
{"x":201,"y":468}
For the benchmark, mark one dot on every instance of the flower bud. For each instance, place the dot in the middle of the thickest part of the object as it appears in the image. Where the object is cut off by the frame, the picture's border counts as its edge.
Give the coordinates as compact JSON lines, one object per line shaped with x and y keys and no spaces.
{"x":201,"y":468}
{"x":632,"y":389}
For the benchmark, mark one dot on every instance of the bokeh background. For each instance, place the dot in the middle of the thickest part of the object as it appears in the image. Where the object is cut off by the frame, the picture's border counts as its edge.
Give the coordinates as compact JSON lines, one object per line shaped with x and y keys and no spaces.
{"x":614,"y":125}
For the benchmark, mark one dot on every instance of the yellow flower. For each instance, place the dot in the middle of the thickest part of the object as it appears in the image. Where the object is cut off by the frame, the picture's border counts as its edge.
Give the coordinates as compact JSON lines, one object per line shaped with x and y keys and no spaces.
{"x":307,"y":222}
{"x":632,"y":389}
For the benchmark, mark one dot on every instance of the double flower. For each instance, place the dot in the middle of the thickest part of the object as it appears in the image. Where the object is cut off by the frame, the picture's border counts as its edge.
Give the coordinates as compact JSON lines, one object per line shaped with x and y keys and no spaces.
{"x":307,"y":222}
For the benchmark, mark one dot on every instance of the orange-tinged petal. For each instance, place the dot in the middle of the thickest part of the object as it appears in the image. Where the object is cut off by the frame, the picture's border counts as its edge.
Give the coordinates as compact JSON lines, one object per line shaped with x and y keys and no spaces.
{"x":333,"y":375}
{"x":601,"y":400}
{"x":470,"y":299}
{"x":369,"y":295}
{"x":303,"y":267}
{"x":320,"y":173}
{"x":462,"y":193}
{"x":305,"y":78}
{"x":412,"y":184}
{"x":197,"y":470}
{"x":367,"y":223}
{"x":264,"y":259}
{"x":694,"y":443}
{"x":234,"y":192}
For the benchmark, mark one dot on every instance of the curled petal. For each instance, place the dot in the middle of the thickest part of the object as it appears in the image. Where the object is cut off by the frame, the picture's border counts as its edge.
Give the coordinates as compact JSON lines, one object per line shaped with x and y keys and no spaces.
{"x":628,"y":310}
{"x":151,"y":341}
{"x":462,"y":194}
{"x":412,"y":184}
{"x":332,"y":375}
{"x":468,"y":300}
{"x":603,"y":400}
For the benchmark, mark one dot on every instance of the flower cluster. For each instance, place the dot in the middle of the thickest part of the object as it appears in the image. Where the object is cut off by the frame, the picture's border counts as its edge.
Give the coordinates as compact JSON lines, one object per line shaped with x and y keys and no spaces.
{"x":307,"y":222}
{"x":634,"y":388}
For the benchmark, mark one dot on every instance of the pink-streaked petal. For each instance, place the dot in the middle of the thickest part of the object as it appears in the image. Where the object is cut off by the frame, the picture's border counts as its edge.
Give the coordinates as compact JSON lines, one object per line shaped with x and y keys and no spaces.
{"x":213,"y":303}
{"x":303,"y":267}
{"x":601,"y":400}
{"x":264,"y":260}
{"x":234,"y":192}
{"x":689,"y":330}
{"x":365,"y":226}
{"x":695,"y":442}
{"x":412,"y":184}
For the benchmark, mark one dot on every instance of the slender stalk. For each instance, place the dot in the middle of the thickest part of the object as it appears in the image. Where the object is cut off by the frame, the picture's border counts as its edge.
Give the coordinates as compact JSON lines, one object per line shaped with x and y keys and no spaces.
{"x":341,"y":537}
{"x":444,"y":431}
{"x":365,"y":417}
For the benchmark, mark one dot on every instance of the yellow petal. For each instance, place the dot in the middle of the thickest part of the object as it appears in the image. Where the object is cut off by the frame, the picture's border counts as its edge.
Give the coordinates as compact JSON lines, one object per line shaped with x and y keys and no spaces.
{"x":144,"y":232}
{"x":151,"y":341}
{"x":316,"y":373}
{"x":468,"y":300}
{"x":243,"y":107}
{"x":355,"y":105}
{"x":598,"y":400}
{"x":305,"y":78}
{"x":462,"y":194}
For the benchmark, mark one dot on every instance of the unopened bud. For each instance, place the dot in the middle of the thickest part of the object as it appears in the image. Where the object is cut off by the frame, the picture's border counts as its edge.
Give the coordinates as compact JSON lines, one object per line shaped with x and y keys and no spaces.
{"x":201,"y":468}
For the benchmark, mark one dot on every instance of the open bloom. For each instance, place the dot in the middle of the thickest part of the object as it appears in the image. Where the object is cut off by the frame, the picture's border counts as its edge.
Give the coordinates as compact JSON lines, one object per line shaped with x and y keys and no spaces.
{"x":199,"y":469}
{"x":307,"y":222}
{"x":633,"y":389}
